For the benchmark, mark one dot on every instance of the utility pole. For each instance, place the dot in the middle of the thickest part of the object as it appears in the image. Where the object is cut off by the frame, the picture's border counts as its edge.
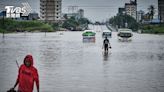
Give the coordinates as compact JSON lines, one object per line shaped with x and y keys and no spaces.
{"x":46,"y":17}
{"x":160,"y":14}
{"x":3,"y":24}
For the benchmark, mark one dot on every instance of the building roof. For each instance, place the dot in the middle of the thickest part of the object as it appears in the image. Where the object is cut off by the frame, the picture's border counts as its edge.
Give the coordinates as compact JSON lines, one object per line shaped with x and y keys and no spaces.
{"x":131,"y":3}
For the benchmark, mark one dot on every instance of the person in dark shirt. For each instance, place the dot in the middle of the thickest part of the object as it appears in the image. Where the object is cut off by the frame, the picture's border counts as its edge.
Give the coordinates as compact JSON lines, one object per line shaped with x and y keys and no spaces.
{"x":106,"y":44}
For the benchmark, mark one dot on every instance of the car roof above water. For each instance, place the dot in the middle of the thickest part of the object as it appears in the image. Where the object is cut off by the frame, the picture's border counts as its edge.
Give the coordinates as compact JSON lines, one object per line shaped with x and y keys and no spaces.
{"x":88,"y":30}
{"x":125,"y":30}
{"x":106,"y":31}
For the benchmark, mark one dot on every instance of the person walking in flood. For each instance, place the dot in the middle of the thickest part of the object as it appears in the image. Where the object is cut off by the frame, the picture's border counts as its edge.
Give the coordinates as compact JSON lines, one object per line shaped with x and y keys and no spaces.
{"x":27,"y":75}
{"x":106,"y":45}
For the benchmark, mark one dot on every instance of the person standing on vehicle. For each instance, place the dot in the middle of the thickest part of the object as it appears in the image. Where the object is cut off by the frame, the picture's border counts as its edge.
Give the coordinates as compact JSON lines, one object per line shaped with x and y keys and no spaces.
{"x":106,"y":44}
{"x":27,"y":75}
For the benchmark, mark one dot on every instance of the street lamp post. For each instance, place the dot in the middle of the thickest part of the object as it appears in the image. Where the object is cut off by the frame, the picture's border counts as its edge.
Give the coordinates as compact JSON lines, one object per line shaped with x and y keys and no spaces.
{"x":125,"y":23}
{"x":3,"y":24}
{"x":46,"y":13}
{"x":160,"y":14}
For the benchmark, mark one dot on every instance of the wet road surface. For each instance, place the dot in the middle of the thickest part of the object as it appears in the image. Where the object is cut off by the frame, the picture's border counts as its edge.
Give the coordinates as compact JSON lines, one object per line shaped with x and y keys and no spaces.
{"x":66,"y":64}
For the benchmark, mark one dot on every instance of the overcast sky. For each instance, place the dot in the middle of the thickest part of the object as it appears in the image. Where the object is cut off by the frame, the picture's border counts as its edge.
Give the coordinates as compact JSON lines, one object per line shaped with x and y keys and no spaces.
{"x":95,"y":10}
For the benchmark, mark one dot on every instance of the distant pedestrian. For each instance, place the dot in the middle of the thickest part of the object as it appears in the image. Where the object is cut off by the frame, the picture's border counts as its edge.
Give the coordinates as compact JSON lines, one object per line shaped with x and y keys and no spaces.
{"x":106,"y":44}
{"x":27,"y":75}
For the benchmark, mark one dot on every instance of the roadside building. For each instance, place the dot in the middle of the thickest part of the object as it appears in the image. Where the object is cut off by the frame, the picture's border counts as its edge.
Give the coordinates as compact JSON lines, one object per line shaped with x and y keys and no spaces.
{"x":161,"y":10}
{"x":121,"y":11}
{"x":79,"y":14}
{"x":131,"y":9}
{"x":50,"y":10}
{"x":140,"y":15}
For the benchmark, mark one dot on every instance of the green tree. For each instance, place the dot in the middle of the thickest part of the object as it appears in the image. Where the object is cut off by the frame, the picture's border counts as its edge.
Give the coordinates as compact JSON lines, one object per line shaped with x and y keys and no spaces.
{"x":122,"y":20}
{"x":11,"y":25}
{"x":75,"y":24}
{"x":83,"y":21}
{"x":55,"y":26}
{"x":65,"y":16}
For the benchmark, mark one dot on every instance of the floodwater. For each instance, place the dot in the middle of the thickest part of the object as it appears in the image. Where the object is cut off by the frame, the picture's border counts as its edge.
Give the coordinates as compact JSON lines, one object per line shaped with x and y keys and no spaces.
{"x":66,"y":64}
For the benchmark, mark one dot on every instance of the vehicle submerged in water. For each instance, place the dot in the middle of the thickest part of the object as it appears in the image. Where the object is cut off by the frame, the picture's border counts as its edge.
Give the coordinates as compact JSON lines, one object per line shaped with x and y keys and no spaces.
{"x":88,"y":36}
{"x":107,"y":33}
{"x":125,"y":34}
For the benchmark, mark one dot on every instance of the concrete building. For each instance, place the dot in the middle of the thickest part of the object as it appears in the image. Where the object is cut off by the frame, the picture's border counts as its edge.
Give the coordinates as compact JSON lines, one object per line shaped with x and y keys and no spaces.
{"x":121,"y":11}
{"x":140,"y":15}
{"x":131,"y":9}
{"x":69,"y":15}
{"x":31,"y":16}
{"x":50,"y":10}
{"x":81,"y":13}
{"x":161,"y":10}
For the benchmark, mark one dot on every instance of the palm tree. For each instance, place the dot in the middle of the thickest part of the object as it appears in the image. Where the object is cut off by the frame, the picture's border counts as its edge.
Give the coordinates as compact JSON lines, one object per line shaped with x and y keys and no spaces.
{"x":151,"y":12}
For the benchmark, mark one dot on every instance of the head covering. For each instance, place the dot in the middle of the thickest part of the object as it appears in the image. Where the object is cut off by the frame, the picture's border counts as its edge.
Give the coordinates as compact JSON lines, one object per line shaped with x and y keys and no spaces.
{"x":27,"y":76}
{"x":29,"y":58}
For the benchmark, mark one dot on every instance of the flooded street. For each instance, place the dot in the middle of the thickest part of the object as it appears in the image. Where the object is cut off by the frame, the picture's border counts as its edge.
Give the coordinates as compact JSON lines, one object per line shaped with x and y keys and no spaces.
{"x":66,"y":64}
